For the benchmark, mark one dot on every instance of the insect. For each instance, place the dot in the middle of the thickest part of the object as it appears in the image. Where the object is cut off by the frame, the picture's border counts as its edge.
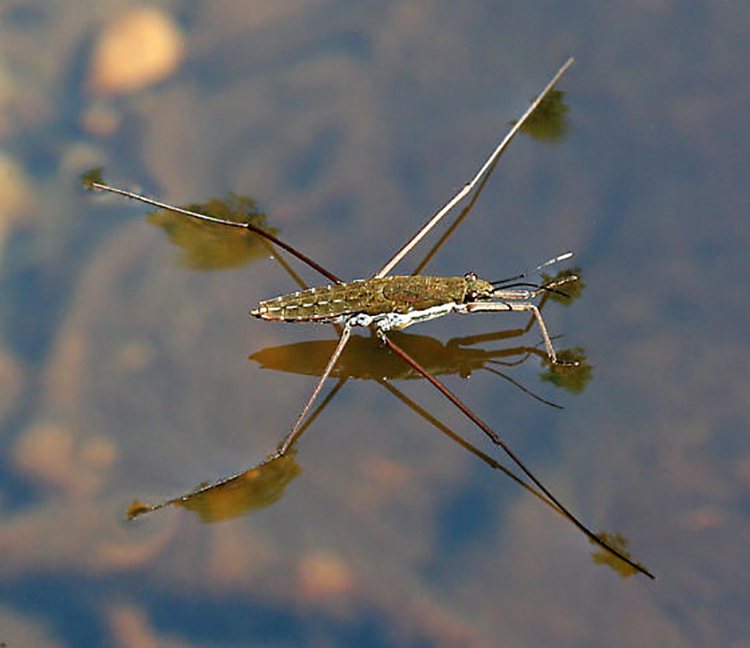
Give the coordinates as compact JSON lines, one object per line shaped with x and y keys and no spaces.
{"x":385,"y":303}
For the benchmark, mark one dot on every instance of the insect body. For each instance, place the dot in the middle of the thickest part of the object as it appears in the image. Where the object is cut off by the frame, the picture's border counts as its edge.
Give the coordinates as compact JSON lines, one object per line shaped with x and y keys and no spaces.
{"x":387,"y":302}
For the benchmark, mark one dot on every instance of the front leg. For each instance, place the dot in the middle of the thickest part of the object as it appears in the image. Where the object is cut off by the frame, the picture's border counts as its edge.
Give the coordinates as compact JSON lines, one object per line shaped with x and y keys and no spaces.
{"x":520,"y":306}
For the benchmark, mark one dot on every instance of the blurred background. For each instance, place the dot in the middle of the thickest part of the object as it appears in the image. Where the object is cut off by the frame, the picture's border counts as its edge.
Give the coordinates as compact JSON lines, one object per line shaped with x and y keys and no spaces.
{"x":129,"y":367}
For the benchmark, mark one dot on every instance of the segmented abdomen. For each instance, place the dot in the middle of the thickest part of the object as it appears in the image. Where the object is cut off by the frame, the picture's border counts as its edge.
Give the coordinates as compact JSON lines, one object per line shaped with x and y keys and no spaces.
{"x":371,"y":296}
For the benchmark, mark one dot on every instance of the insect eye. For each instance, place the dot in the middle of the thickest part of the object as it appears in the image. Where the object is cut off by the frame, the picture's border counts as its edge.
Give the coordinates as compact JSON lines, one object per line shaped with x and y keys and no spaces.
{"x":472,"y":295}
{"x":470,"y":276}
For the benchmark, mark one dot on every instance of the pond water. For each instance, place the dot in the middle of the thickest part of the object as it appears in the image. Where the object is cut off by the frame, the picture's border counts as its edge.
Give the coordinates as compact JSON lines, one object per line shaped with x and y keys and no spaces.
{"x":130,"y":369}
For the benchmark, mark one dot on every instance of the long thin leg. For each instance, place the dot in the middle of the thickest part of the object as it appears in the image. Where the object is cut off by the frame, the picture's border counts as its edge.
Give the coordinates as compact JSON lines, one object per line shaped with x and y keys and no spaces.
{"x":139,"y":508}
{"x":468,"y":187}
{"x":100,"y":186}
{"x":498,"y":441}
{"x":419,"y":269}
{"x":294,"y":433}
{"x":505,"y":306}
{"x":492,"y":463}
{"x":290,"y":438}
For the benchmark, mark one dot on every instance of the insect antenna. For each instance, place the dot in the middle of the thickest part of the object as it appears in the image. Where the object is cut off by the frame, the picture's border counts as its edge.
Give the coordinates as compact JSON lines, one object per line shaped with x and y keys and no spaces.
{"x":530,"y":271}
{"x":97,"y":185}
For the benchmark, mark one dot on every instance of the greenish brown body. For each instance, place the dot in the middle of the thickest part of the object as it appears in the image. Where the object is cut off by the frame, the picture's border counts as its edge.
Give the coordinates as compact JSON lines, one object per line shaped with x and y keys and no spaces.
{"x":372,"y":297}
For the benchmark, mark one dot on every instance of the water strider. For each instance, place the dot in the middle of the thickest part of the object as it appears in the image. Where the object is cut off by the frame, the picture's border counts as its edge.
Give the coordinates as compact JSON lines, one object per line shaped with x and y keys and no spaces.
{"x":385,"y":302}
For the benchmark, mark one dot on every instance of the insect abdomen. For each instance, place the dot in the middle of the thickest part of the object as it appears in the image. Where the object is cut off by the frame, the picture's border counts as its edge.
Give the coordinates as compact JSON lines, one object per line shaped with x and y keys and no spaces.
{"x":314,"y":304}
